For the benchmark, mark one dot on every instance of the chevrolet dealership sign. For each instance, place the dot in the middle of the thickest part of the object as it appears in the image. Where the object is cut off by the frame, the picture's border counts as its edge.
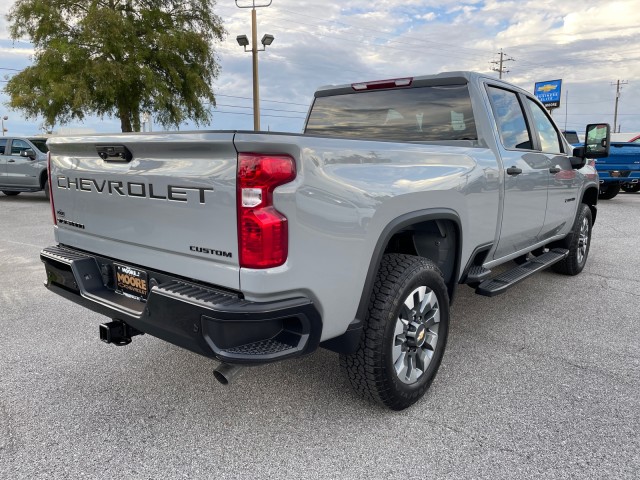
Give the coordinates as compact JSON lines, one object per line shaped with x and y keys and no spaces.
{"x":548,"y":93}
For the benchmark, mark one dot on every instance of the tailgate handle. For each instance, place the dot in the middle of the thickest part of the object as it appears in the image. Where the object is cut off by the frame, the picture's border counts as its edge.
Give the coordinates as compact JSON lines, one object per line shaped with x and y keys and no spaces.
{"x":114,"y":153}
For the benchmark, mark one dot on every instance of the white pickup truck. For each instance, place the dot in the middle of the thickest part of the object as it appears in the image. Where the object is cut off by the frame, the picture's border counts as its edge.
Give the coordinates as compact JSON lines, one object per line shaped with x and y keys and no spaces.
{"x":253,"y":247}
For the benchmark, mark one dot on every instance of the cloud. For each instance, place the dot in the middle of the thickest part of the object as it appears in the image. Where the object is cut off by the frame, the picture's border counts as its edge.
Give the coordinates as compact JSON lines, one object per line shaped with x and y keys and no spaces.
{"x":589,"y":45}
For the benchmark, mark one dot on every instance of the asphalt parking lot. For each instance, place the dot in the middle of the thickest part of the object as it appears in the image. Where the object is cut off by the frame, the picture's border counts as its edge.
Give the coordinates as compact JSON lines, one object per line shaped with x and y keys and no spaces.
{"x":543,"y":381}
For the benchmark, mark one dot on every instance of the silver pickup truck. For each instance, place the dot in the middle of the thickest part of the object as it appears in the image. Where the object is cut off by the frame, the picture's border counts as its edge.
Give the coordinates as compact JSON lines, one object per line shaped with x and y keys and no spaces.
{"x":23,"y":165}
{"x":353,"y":236}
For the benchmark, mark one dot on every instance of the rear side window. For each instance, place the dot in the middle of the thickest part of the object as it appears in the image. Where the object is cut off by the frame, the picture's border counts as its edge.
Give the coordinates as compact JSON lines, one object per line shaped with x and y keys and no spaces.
{"x":420,"y":114}
{"x":510,"y":119}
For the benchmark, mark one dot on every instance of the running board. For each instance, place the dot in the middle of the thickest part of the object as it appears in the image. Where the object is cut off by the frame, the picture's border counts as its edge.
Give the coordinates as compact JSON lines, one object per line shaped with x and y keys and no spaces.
{"x":508,"y":279}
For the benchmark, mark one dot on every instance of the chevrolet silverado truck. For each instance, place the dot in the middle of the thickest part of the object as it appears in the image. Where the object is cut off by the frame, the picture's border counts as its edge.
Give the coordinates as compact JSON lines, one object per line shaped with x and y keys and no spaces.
{"x":23,"y":165}
{"x":254,"y":247}
{"x":619,"y":170}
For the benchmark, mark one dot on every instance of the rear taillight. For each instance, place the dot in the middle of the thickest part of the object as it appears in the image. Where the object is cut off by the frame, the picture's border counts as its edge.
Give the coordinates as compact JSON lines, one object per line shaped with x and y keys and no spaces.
{"x":263,"y":235}
{"x":380,"y":84}
{"x":50,"y":187}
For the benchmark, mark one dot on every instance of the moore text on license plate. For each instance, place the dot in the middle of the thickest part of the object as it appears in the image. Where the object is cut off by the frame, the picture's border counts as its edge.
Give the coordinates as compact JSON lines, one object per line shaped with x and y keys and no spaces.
{"x":131,"y":282}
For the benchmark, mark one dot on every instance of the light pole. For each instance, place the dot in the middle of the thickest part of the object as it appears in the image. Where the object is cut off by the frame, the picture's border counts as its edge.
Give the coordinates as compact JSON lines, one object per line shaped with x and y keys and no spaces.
{"x":243,"y":41}
{"x":4,"y":129}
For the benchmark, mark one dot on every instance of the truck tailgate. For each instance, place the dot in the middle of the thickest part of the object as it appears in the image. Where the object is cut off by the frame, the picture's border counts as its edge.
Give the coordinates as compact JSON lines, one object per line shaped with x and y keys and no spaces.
{"x":170,"y":207}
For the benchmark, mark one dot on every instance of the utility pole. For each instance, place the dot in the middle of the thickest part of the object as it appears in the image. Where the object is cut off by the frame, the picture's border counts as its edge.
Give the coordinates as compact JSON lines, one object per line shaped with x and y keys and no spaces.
{"x":243,"y":42}
{"x":502,"y":68}
{"x":566,"y":108}
{"x":615,"y":114}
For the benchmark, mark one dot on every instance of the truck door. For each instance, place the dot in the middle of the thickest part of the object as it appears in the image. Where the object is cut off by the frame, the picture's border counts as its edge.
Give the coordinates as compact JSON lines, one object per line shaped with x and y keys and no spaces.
{"x":3,"y":161}
{"x":20,"y":170}
{"x":525,"y":173}
{"x":564,"y":180}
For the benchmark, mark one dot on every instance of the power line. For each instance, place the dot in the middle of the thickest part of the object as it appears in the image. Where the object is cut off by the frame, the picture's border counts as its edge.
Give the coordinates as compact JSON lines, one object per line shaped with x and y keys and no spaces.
{"x":270,"y":109}
{"x":251,"y":114}
{"x":384,"y":35}
{"x":263,"y":100}
{"x":381,"y":36}
{"x":401,"y":40}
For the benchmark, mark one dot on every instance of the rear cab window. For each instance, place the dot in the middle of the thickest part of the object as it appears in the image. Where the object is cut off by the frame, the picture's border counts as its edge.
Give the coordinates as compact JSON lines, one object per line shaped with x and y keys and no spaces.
{"x":417,"y":114}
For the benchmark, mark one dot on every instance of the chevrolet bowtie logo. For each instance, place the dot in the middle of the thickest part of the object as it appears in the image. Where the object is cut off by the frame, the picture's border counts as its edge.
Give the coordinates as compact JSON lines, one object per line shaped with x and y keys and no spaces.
{"x":547,"y":88}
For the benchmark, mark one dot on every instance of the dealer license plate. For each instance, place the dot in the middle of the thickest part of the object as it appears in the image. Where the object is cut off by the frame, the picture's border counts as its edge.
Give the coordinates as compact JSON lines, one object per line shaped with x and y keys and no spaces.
{"x":131,"y":282}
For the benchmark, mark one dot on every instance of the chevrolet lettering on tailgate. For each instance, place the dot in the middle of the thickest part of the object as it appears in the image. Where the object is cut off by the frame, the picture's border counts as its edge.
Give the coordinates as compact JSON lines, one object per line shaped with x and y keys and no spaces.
{"x":131,"y":189}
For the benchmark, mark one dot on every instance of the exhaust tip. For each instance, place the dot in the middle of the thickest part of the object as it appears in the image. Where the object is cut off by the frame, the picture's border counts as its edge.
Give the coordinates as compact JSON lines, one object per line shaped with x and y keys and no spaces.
{"x":226,"y":372}
{"x":220,"y":377}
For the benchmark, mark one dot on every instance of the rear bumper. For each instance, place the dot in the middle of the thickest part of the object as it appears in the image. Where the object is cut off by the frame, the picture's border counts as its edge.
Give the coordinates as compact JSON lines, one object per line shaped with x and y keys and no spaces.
{"x":622,"y":175}
{"x":204,"y":319}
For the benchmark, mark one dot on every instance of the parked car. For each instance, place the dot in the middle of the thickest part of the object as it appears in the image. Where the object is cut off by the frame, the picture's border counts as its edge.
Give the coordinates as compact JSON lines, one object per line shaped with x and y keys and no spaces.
{"x":620,"y":170}
{"x":23,"y":165}
{"x":571,"y":136}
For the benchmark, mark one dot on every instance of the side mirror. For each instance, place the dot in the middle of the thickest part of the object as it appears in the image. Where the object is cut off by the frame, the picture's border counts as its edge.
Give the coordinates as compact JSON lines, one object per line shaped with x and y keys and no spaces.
{"x":597,"y":140}
{"x":28,"y":153}
{"x":578,"y":160}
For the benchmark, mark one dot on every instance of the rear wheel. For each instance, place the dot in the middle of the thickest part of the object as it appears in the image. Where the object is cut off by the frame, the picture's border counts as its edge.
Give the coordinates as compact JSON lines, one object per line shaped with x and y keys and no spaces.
{"x":608,"y":192}
{"x":631,"y":187}
{"x":578,"y":244}
{"x":10,"y":194}
{"x":405,"y":333}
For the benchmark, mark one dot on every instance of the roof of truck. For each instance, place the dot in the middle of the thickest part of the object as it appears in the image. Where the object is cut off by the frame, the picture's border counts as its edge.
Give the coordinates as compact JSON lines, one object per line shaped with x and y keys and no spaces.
{"x":443,"y":78}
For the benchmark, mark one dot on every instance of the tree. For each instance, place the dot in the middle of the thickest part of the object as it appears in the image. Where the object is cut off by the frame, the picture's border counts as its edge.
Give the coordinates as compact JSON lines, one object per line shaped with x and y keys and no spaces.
{"x":116,"y":58}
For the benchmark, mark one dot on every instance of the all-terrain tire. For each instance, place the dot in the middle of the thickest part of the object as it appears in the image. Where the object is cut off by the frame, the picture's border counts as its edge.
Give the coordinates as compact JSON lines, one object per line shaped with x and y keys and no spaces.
{"x":608,"y":192}
{"x":578,"y":242}
{"x":409,"y":304}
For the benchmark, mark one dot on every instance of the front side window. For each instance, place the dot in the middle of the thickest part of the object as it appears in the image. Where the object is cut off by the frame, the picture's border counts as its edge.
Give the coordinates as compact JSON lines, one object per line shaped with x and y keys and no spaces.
{"x":549,"y":136}
{"x":18,"y":146}
{"x":510,"y":119}
{"x":3,"y":145}
{"x":419,"y":114}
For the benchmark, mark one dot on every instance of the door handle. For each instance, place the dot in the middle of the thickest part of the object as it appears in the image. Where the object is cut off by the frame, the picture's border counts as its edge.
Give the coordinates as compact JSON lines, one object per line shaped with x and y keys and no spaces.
{"x":11,"y":161}
{"x":554,"y":170}
{"x":514,"y":171}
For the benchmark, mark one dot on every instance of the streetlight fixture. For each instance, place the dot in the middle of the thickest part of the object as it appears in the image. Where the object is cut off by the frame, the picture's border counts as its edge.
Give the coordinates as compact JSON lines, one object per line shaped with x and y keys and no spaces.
{"x":4,"y":129}
{"x":243,"y":41}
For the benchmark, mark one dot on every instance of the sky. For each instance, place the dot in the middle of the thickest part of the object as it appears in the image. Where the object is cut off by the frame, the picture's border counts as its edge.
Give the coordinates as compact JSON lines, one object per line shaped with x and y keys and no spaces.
{"x":589,"y":45}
